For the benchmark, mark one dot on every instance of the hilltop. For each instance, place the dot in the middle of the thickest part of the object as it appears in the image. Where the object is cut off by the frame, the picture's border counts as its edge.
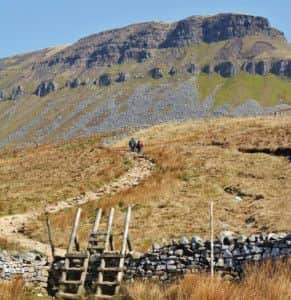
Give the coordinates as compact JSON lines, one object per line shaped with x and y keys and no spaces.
{"x":120,"y":80}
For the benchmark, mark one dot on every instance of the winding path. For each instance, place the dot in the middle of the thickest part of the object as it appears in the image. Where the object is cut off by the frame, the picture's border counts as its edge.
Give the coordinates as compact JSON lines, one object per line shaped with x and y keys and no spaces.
{"x":12,"y":227}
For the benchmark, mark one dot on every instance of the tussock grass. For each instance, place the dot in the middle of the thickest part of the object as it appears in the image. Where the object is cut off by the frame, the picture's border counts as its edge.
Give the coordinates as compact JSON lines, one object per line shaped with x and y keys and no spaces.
{"x":12,"y":290}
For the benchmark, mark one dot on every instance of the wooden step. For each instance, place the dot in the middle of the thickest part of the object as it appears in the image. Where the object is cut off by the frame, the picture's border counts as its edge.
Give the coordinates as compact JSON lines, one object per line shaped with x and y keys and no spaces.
{"x":93,"y":247}
{"x":111,"y":269}
{"x":111,"y":255}
{"x":108,"y":283}
{"x":64,"y":295}
{"x":77,"y":255}
{"x":104,"y":296}
{"x":76,"y":269}
{"x":75,"y":282}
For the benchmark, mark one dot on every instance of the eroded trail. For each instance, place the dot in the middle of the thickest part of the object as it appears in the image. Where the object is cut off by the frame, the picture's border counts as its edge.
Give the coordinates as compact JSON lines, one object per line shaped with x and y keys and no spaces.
{"x":12,"y":227}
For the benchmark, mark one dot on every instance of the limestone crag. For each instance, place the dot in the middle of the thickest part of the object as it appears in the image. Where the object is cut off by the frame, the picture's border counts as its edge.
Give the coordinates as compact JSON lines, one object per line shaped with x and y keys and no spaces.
{"x":2,"y":95}
{"x":122,"y":77}
{"x":157,"y":73}
{"x":134,"y":42}
{"x":173,"y":71}
{"x":105,"y":80}
{"x":45,"y":88}
{"x":17,"y":92}
{"x":226,"y":69}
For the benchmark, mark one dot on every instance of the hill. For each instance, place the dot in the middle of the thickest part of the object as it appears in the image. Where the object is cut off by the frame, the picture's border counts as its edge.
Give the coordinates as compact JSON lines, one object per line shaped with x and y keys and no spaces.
{"x":241,"y":164}
{"x":117,"y":81}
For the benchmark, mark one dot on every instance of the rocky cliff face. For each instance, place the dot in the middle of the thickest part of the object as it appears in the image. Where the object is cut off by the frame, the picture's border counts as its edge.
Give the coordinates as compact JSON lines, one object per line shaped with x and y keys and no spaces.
{"x":134,"y":43}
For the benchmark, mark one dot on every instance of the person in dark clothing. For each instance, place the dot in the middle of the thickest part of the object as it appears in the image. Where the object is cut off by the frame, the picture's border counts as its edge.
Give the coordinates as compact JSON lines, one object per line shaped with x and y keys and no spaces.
{"x":132,"y":145}
{"x":139,"y":147}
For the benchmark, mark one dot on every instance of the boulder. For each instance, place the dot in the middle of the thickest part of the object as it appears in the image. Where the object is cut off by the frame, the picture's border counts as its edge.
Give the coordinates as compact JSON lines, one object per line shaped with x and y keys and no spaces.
{"x":2,"y":95}
{"x":226,"y":237}
{"x":85,"y":82}
{"x":281,"y":68}
{"x":249,"y":67}
{"x":192,"y":69}
{"x":226,"y":69}
{"x":183,"y":241}
{"x":75,"y":83}
{"x":207,"y":69}
{"x":17,"y":92}
{"x":156,"y":73}
{"x":45,"y":88}
{"x":173,"y":71}
{"x":262,"y":68}
{"x":68,"y":83}
{"x":122,"y":77}
{"x":105,"y":80}
{"x":278,"y":68}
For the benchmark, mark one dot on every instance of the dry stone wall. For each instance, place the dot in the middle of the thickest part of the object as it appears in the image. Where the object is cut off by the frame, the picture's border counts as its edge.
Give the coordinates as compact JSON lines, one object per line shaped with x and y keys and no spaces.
{"x":32,"y":267}
{"x":193,"y":255}
{"x":164,"y":263}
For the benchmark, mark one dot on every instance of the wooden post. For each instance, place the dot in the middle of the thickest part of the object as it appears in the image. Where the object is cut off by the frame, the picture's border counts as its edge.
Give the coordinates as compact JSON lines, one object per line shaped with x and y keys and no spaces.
{"x":97,"y":221}
{"x":74,"y":230}
{"x":211,"y":240}
{"x":109,"y":226}
{"x":50,"y":235}
{"x":126,"y":228}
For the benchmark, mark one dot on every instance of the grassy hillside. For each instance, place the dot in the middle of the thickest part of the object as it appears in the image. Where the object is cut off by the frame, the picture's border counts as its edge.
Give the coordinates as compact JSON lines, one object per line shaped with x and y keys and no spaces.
{"x":197,"y":162}
{"x":37,"y":176}
{"x":74,"y":112}
{"x":267,"y":90}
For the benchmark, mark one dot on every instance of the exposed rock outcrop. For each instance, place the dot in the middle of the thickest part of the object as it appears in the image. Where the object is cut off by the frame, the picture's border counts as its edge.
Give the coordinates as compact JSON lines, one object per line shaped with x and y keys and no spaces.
{"x":156,"y":73}
{"x":249,"y":67}
{"x":85,"y":82}
{"x":135,"y":42}
{"x":173,"y":71}
{"x":17,"y":92}
{"x":207,"y":69}
{"x":45,"y":88}
{"x":122,"y":77}
{"x":192,"y":69}
{"x":2,"y":95}
{"x":226,"y":69}
{"x":75,"y":83}
{"x":105,"y":80}
{"x":281,"y":68}
{"x":262,"y":67}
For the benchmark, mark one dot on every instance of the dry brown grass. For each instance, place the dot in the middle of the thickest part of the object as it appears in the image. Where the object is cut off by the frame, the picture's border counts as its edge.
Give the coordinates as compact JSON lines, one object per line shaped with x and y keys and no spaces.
{"x":12,"y":290}
{"x":196,"y":161}
{"x":268,"y":282}
{"x":36,"y":176}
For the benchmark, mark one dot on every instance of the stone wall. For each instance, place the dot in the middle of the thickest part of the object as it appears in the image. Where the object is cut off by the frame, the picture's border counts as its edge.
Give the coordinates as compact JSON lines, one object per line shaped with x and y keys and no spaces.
{"x":31,"y":266}
{"x":165,"y":263}
{"x":193,"y":255}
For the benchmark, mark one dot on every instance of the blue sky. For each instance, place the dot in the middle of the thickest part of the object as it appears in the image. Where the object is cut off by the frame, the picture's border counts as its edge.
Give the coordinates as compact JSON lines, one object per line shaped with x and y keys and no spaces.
{"x":27,"y":25}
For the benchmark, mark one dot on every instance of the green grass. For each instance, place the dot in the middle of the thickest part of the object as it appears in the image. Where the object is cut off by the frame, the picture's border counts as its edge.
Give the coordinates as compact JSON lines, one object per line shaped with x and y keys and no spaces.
{"x":267,"y":90}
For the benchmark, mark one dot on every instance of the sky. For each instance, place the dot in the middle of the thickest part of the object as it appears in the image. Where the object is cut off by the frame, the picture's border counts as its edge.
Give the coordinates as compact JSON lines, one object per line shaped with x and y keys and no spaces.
{"x":27,"y":25}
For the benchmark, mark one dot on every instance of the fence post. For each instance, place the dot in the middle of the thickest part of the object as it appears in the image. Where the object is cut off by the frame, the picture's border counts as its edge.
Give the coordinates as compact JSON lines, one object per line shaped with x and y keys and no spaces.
{"x":211,"y":240}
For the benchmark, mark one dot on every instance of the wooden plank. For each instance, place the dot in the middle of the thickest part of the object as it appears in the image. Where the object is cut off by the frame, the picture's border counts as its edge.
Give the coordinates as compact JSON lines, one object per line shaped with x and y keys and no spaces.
{"x":97,"y":221}
{"x":50,"y":235}
{"x":211,"y":240}
{"x":109,"y":227}
{"x":74,"y":230}
{"x":126,"y":229}
{"x":123,"y":249}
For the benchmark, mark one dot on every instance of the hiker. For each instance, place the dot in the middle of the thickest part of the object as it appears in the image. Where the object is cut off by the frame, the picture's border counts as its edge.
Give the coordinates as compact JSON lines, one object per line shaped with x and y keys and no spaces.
{"x":139,"y":147}
{"x":132,"y":145}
